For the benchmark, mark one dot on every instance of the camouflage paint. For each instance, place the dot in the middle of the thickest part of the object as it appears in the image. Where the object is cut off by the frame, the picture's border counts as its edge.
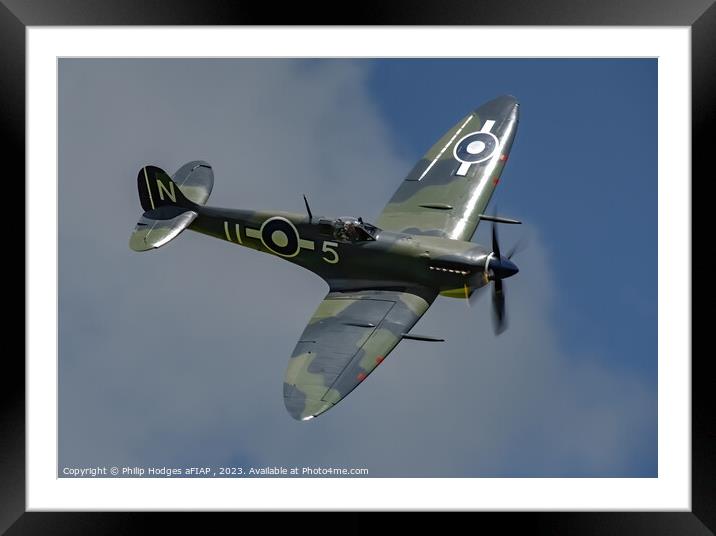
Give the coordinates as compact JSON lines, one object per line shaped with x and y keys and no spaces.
{"x":467,"y":195}
{"x":334,"y":355}
{"x":379,"y":287}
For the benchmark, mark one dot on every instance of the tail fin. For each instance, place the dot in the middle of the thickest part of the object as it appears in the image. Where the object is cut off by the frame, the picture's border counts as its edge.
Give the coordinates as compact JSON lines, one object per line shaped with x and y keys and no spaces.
{"x":156,"y":190}
{"x":169,"y":205}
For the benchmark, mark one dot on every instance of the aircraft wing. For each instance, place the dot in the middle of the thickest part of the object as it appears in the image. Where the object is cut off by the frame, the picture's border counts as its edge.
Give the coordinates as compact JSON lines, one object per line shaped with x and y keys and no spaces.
{"x":451,"y":185}
{"x":348,"y":336}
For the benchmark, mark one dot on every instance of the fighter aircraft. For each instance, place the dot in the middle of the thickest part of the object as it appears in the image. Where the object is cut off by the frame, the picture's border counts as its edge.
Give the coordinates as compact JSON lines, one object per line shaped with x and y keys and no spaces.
{"x":382,"y":277}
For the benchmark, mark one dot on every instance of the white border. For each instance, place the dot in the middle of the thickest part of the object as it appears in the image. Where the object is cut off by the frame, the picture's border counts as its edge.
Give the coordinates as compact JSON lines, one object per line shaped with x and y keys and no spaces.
{"x":670,"y":491}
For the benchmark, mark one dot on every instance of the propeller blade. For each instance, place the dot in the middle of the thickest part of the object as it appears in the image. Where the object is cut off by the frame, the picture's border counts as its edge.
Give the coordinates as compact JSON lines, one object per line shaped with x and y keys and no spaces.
{"x":521,"y":245}
{"x":499,"y":314}
{"x":495,"y":242}
{"x":475,"y":296}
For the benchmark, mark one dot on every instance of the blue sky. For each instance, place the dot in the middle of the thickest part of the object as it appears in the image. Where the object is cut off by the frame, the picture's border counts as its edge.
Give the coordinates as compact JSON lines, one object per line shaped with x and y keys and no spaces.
{"x":584,"y":169}
{"x":177,"y":356}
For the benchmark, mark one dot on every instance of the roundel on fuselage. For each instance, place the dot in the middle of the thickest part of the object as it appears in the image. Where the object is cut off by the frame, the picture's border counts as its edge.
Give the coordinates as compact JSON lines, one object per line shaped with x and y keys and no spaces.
{"x":280,"y":236}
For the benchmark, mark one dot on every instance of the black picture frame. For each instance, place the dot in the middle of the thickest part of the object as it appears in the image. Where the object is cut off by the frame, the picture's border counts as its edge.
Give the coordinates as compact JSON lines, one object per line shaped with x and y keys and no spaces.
{"x":16,"y":15}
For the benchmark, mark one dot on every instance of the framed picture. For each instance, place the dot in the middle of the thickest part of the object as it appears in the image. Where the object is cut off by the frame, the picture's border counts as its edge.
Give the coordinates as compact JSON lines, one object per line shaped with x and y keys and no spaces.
{"x":153,"y":379}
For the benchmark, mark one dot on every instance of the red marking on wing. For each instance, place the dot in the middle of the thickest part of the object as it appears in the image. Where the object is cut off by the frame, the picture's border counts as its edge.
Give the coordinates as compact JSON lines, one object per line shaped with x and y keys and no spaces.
{"x":496,"y":181}
{"x":379,"y":359}
{"x":503,"y":157}
{"x":361,"y":376}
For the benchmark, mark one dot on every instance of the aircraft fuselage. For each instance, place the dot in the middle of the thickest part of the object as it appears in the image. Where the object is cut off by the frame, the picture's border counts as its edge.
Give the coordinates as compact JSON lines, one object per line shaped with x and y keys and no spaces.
{"x":388,"y":259}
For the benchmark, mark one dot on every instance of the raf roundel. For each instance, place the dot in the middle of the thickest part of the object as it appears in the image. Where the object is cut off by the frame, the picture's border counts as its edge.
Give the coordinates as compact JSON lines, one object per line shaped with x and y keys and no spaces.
{"x":475,"y":147}
{"x":280,"y":236}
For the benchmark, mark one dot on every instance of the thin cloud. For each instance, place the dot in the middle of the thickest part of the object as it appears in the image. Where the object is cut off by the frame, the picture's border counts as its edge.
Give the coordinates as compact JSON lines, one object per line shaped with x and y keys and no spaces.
{"x":177,"y":356}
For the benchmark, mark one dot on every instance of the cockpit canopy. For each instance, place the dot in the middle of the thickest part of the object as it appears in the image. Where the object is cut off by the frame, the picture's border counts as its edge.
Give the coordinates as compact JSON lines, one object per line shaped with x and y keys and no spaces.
{"x":349,"y":229}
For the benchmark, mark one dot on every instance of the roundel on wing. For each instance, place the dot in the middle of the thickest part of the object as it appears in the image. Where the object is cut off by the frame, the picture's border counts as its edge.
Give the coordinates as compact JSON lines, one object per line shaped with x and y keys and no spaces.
{"x":475,"y":147}
{"x":280,"y":236}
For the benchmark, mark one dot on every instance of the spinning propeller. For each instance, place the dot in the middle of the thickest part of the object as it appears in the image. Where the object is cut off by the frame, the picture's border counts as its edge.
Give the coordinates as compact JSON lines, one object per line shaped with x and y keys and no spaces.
{"x":496,"y":269}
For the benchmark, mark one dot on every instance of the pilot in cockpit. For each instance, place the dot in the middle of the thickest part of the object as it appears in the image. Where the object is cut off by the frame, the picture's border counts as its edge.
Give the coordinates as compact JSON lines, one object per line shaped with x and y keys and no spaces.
{"x":352,"y":230}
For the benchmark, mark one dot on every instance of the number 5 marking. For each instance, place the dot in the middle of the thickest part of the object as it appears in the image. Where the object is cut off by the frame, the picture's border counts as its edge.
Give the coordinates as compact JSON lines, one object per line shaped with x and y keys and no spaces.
{"x":327,"y":249}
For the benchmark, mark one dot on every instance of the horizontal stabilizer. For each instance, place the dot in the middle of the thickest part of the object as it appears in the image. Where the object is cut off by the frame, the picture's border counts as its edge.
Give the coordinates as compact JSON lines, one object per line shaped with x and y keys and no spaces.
{"x":195,"y":180}
{"x":157,"y":227}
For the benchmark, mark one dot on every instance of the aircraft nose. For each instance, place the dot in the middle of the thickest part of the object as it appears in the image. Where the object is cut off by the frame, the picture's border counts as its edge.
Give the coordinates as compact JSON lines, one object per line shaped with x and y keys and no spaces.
{"x":510,"y":267}
{"x":504,"y":268}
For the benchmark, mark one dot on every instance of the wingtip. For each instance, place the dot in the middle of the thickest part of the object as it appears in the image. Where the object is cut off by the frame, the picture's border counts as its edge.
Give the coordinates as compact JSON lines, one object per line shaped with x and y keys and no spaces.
{"x":508,"y":98}
{"x":503,"y":105}
{"x":305,"y":409}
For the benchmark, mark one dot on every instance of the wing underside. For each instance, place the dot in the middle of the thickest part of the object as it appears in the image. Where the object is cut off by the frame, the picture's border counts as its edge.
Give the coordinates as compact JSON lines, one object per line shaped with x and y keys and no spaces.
{"x":451,"y":185}
{"x":348,"y":336}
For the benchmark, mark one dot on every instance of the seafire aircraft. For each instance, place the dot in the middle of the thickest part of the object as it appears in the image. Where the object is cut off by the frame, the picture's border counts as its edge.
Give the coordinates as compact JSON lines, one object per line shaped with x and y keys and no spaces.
{"x":383,"y":277}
